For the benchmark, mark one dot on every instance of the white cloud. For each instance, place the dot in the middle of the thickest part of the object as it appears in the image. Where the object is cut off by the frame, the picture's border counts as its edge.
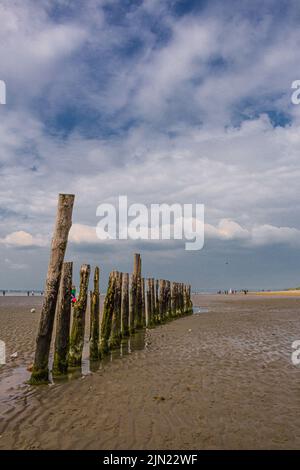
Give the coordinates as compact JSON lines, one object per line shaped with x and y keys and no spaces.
{"x":258,"y":235}
{"x":23,"y":239}
{"x":226,"y":230}
{"x":81,"y":233}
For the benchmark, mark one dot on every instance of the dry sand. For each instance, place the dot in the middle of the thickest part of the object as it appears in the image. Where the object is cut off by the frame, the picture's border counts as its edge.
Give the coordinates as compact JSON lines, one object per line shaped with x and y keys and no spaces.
{"x":221,"y":379}
{"x":281,"y":293}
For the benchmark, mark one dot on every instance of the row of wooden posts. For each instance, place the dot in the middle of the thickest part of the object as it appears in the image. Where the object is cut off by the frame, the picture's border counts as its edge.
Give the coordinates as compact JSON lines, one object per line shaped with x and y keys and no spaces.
{"x":131,"y":303}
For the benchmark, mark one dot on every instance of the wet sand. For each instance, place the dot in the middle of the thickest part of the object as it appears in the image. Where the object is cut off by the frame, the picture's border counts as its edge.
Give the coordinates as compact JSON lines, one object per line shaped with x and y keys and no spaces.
{"x":221,"y":379}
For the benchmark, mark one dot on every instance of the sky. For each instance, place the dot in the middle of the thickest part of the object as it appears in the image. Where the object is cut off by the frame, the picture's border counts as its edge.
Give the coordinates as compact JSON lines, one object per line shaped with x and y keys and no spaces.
{"x":165,"y":102}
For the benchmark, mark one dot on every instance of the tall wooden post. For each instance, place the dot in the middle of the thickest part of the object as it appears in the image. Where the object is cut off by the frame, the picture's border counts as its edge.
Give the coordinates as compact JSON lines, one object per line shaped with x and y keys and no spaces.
{"x":156,"y":299}
{"x":108,"y":309}
{"x":63,"y":318}
{"x":115,"y":334}
{"x":143,"y":303}
{"x":132,"y":303}
{"x":190,"y":300}
{"x":137,"y":271}
{"x":148,"y":304}
{"x":173,"y":300}
{"x":161,"y":299}
{"x":40,"y":371}
{"x":137,"y":264}
{"x":176,"y":300}
{"x":154,"y":316}
{"x":125,"y":306}
{"x":78,"y":324}
{"x":95,"y":318}
{"x":139,"y":305}
{"x":168,"y":300}
{"x":181,"y":298}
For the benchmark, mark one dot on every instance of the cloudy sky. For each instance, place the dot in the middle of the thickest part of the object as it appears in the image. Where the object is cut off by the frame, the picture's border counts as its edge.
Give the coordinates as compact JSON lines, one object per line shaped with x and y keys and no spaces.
{"x":171,"y":101}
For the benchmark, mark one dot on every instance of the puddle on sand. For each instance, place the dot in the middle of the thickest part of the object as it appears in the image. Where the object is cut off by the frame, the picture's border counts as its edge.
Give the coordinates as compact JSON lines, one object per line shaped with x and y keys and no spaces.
{"x":14,"y":380}
{"x":136,"y":342}
{"x":197,"y":310}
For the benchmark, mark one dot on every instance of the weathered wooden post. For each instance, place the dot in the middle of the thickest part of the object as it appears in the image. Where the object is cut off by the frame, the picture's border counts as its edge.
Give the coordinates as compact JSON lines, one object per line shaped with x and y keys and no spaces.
{"x":78,"y":324}
{"x":137,"y":271}
{"x":108,"y":309}
{"x":132,"y":303}
{"x":95,"y":318}
{"x":40,"y":371}
{"x":115,"y":334}
{"x":156,"y":299}
{"x":125,"y":306}
{"x":140,"y":323}
{"x":143,"y":303}
{"x":148,"y":303}
{"x":181,"y":299}
{"x":177,"y":299}
{"x":153,"y":313}
{"x":137,"y":264}
{"x":190,"y":299}
{"x":187,"y":300}
{"x":168,"y":300}
{"x":63,"y":319}
{"x":173,"y":300}
{"x":161,"y":300}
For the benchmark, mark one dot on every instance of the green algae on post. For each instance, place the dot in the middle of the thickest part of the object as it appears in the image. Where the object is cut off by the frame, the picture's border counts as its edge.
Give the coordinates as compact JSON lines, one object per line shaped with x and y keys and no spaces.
{"x":95,"y":318}
{"x":107,"y":316}
{"x":115,"y":333}
{"x":78,"y":324}
{"x":61,"y":346}
{"x":125,"y":306}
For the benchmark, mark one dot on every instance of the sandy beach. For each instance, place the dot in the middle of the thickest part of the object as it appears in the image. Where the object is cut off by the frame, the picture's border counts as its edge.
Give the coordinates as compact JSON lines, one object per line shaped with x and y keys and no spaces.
{"x":222,"y":379}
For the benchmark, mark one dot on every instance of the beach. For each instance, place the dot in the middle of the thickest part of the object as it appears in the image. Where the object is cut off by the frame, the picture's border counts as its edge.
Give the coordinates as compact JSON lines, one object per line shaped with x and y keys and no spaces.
{"x":220,"y":379}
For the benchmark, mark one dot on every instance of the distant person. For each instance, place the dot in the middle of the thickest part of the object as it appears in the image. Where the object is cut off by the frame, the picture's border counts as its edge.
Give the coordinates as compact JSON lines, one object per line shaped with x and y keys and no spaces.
{"x":73,"y":295}
{"x":3,"y":292}
{"x":28,"y":293}
{"x":32,"y":293}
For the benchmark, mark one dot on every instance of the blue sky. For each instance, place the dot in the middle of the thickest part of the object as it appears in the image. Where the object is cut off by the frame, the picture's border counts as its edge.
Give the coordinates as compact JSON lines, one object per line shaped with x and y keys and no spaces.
{"x":175,"y":101}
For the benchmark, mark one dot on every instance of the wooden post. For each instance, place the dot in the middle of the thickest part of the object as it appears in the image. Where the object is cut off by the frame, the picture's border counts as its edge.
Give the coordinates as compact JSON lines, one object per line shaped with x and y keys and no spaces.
{"x":63,"y":319}
{"x":156,"y":299}
{"x":137,"y":271}
{"x":177,"y":312}
{"x":143,"y":303}
{"x":137,"y":264}
{"x":161,"y":300}
{"x":173,"y":300}
{"x":132,"y":303}
{"x":148,"y":304}
{"x":115,"y":334}
{"x":190,"y":300}
{"x":154,"y":317}
{"x":95,"y":318}
{"x":78,"y":324}
{"x":168,"y":300}
{"x":125,"y":305}
{"x":40,"y":371}
{"x":108,"y":309}
{"x":139,"y":305}
{"x":181,"y":299}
